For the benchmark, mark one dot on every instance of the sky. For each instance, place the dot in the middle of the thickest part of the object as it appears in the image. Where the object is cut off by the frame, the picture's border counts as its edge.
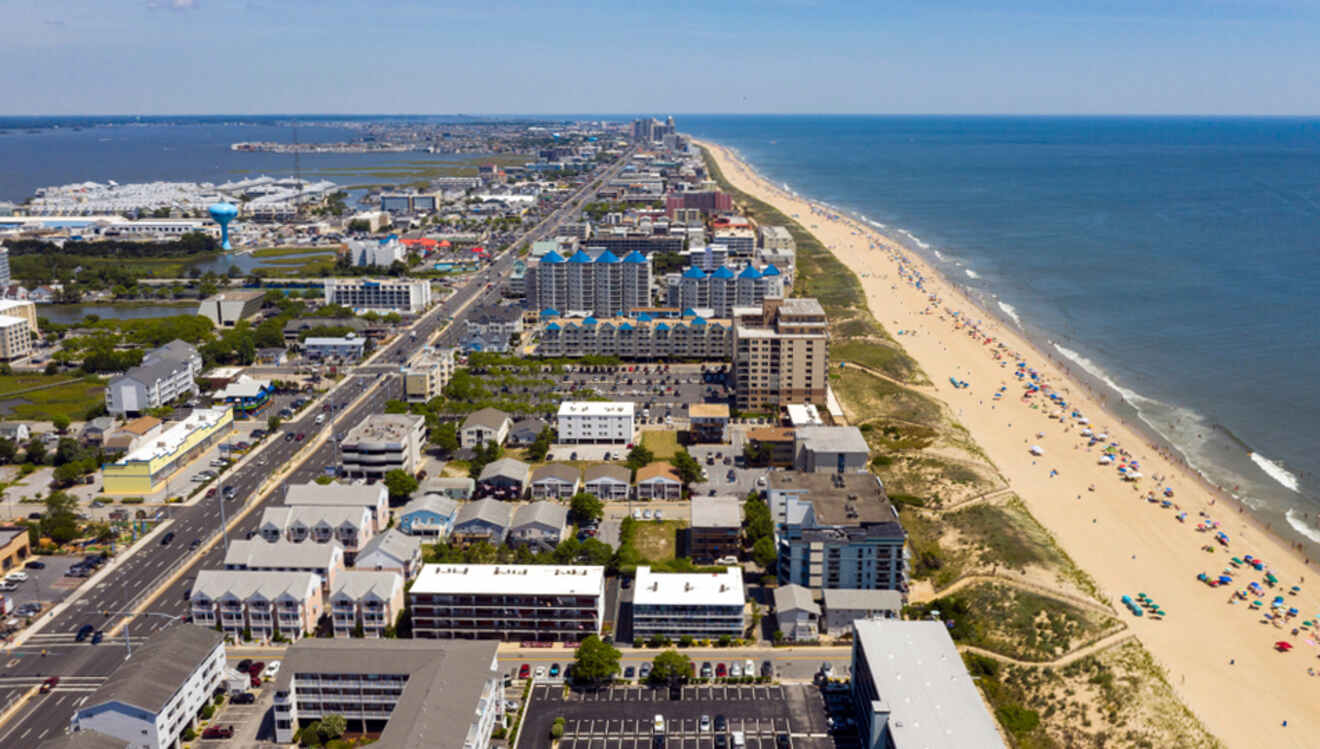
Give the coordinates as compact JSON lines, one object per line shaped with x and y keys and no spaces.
{"x":711,"y":56}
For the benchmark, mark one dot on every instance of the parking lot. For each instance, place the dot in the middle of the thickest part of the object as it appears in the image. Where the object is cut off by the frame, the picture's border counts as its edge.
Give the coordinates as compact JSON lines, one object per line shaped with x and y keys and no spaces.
{"x":624,"y":717}
{"x":48,"y":586}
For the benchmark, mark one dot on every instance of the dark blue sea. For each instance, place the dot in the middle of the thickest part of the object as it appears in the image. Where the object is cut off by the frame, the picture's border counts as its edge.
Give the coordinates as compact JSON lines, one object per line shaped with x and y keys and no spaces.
{"x":1174,"y":260}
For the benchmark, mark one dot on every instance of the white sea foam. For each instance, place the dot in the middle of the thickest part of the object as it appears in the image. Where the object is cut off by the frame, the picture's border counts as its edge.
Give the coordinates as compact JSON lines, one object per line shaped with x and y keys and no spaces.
{"x":876,"y":224}
{"x":1277,"y":472}
{"x":971,"y":273}
{"x":938,"y":256}
{"x":1301,"y":527}
{"x":1011,"y":311}
{"x":1093,"y":369}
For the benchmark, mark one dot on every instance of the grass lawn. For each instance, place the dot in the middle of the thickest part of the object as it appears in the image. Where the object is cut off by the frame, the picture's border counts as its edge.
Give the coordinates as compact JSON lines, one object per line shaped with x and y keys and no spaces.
{"x":657,"y":541}
{"x":283,"y":251}
{"x":663,"y":443}
{"x":59,"y":394}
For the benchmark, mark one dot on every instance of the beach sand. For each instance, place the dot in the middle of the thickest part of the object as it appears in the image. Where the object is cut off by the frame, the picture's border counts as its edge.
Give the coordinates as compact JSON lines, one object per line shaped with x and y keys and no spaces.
{"x":1127,"y":544}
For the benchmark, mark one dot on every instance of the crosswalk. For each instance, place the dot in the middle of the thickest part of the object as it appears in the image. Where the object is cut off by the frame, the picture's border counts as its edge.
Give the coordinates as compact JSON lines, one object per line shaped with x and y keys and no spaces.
{"x":67,"y":683}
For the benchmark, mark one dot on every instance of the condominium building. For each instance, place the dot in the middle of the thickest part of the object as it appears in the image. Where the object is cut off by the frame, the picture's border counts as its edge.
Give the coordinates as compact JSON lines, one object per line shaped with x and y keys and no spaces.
{"x":703,"y":605}
{"x":150,"y":466}
{"x":18,"y":307}
{"x":348,"y":347}
{"x":708,"y":422}
{"x":607,"y":482}
{"x":368,"y":601}
{"x":493,"y":327}
{"x":777,"y":238}
{"x":262,"y":604}
{"x":350,"y":526}
{"x":383,"y":443}
{"x":427,"y":374}
{"x":374,"y":497}
{"x":15,"y":338}
{"x":166,"y":373}
{"x":596,"y":422}
{"x":604,"y":285}
{"x":323,"y":560}
{"x":780,"y":354}
{"x":380,"y":294}
{"x":740,"y":240}
{"x":532,"y":603}
{"x":415,"y":694}
{"x":724,"y":288}
{"x":715,"y":528}
{"x":376,"y":252}
{"x":152,"y":697}
{"x":708,"y":202}
{"x":837,"y":530}
{"x":482,"y":426}
{"x":691,"y":337}
{"x":911,"y":690}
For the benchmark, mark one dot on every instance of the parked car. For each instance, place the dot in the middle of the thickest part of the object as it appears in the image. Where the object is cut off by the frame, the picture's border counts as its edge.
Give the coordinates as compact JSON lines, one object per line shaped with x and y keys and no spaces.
{"x":706,"y":670}
{"x":35,"y":565}
{"x":720,"y":670}
{"x":244,"y":698}
{"x":554,"y":670}
{"x":17,"y":576}
{"x":8,"y":586}
{"x":525,"y":671}
{"x":629,"y":672}
{"x":540,"y":672}
{"x":218,"y":732}
{"x":273,"y":670}
{"x":243,"y":665}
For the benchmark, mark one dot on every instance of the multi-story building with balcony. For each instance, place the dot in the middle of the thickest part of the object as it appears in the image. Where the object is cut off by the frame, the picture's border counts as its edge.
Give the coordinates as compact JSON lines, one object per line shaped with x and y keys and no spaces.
{"x":780,"y":354}
{"x":166,"y":373}
{"x":323,"y":560}
{"x":724,"y":288}
{"x":427,"y":374}
{"x":383,"y":443}
{"x":837,"y":530}
{"x":691,"y":336}
{"x":670,"y":604}
{"x":260,"y":604}
{"x":529,"y":603}
{"x":374,"y":497}
{"x":365,"y":602}
{"x":413,"y":693}
{"x":596,"y":422}
{"x":381,"y":295}
{"x":352,"y":527}
{"x":603,"y":285}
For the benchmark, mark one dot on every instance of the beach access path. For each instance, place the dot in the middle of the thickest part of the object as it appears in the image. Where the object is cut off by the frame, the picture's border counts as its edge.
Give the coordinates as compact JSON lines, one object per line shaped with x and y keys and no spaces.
{"x":1125,"y":543}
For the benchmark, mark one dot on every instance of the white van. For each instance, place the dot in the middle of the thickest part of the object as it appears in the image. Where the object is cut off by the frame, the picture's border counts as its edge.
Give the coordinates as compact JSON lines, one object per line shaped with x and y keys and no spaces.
{"x":659,"y":727}
{"x":320,"y":418}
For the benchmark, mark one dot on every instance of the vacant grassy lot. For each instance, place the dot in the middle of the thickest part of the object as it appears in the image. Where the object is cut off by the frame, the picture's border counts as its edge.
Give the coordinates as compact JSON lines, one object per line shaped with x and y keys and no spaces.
{"x":40,"y":397}
{"x":657,"y":541}
{"x":663,"y":443}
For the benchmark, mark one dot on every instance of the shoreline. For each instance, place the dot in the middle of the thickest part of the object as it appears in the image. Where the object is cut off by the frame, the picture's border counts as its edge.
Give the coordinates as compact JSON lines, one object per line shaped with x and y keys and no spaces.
{"x":1264,"y":684}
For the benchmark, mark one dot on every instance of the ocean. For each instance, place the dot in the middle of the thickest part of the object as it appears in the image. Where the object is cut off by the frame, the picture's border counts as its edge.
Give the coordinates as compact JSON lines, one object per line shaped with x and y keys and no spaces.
{"x":1173,"y":261}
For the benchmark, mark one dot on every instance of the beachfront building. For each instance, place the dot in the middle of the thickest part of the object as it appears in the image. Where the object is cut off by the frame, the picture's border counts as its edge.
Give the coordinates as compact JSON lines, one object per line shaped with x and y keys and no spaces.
{"x":724,"y":288}
{"x":911,"y":690}
{"x":261,"y":603}
{"x":366,"y":602}
{"x":830,"y":449}
{"x":323,"y":560}
{"x":374,"y":497}
{"x":151,"y":465}
{"x":149,"y":700}
{"x":383,"y":443}
{"x":381,"y":295}
{"x":780,"y":354}
{"x":837,"y":530}
{"x":843,"y":606}
{"x":165,"y":373}
{"x":702,"y":604}
{"x":227,"y":308}
{"x":519,"y":603}
{"x":646,"y":337}
{"x":596,"y":422}
{"x":740,"y":240}
{"x":407,"y":691}
{"x":605,"y":285}
{"x":427,"y":374}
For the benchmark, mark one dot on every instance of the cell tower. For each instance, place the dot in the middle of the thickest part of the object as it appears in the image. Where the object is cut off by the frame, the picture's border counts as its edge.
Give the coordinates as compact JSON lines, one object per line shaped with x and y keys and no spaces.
{"x":223,"y":213}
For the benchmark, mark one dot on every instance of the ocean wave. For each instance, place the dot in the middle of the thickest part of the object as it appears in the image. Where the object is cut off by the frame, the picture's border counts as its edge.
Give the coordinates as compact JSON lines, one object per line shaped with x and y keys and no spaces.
{"x":920,"y":243}
{"x":1301,"y":527}
{"x":1011,"y":311}
{"x":938,"y":256}
{"x":1093,"y":369}
{"x":971,"y":273}
{"x":1277,"y":472}
{"x":876,"y":224}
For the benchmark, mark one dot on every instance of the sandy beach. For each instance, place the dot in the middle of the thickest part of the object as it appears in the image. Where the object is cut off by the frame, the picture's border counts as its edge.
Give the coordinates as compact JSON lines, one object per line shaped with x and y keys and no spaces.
{"x":1219,"y":656}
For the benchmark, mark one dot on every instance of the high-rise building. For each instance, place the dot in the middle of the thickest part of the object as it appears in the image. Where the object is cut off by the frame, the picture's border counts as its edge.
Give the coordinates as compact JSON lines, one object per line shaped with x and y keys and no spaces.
{"x":724,"y":288}
{"x":401,"y":294}
{"x":603,"y":286}
{"x":5,"y":277}
{"x":780,"y":354}
{"x":707,"y":201}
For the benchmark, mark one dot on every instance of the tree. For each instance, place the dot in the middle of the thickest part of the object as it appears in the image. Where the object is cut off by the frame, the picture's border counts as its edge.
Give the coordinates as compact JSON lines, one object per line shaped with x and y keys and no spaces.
{"x":670,"y":666}
{"x":60,"y":522}
{"x":8,"y":450}
{"x":764,"y":552}
{"x":584,"y":507}
{"x":445,"y":436}
{"x":595,"y":552}
{"x":687,"y":467}
{"x":332,"y":726}
{"x":400,"y":483}
{"x":487,"y":453}
{"x":541,"y":447}
{"x":395,"y":406}
{"x":756,"y":519}
{"x":61,"y":422}
{"x":273,"y":422}
{"x":36,"y":450}
{"x":639,"y":456}
{"x":595,"y":660}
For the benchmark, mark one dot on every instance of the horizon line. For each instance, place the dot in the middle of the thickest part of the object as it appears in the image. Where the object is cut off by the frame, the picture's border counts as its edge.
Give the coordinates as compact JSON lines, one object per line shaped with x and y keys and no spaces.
{"x":608,"y":115}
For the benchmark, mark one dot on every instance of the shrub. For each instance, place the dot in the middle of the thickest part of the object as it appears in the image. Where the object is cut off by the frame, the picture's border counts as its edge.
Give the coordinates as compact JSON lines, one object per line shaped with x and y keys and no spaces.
{"x":132,"y":500}
{"x":685,"y":641}
{"x":1017,"y":719}
{"x":188,"y":734}
{"x":208,"y":711}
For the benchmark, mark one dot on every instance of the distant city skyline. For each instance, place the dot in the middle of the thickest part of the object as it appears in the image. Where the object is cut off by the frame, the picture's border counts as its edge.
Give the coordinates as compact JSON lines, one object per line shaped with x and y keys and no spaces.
{"x":772,"y":57}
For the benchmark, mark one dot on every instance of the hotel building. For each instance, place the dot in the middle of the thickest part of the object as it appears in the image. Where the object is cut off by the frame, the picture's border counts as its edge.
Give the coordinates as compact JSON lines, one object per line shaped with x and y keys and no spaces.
{"x":383,"y":443}
{"x":700,"y":604}
{"x":690,"y":337}
{"x":382,"y":295}
{"x":536,"y":603}
{"x":780,"y":354}
{"x":582,"y":285}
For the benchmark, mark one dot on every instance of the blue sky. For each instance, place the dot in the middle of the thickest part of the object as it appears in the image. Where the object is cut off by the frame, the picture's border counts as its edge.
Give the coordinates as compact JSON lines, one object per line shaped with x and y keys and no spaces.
{"x":768,"y":56}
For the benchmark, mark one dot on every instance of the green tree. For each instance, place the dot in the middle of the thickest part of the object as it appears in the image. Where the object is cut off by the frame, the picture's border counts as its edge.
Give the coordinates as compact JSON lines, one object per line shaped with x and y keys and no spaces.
{"x":395,"y":406}
{"x":8,"y":450}
{"x":61,"y":422}
{"x":60,"y":522}
{"x":595,"y":660}
{"x":756,"y":519}
{"x":484,"y":455}
{"x":332,"y":726}
{"x":687,"y":467}
{"x":639,"y":456}
{"x":36,"y":450}
{"x":400,"y":483}
{"x":764,"y":552}
{"x":541,"y":447}
{"x":670,"y":667}
{"x":445,"y":436}
{"x":584,"y":507}
{"x":595,"y":552}
{"x":273,"y":422}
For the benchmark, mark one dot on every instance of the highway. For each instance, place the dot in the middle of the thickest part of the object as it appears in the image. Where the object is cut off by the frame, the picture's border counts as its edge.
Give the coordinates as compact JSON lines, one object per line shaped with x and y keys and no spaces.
{"x":143,"y":576}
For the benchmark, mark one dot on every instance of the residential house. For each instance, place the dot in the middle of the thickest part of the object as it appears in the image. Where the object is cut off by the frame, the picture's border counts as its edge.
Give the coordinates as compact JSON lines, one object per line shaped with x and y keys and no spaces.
{"x":505,"y":478}
{"x":366,"y":601}
{"x":483,"y":520}
{"x":608,"y":482}
{"x":843,"y":606}
{"x":525,"y":431}
{"x":391,"y":550}
{"x":454,"y":487}
{"x":797,"y":616}
{"x":486,"y":425}
{"x":540,"y":524}
{"x":555,"y":481}
{"x":15,"y":431}
{"x":658,"y":480}
{"x":429,"y":515}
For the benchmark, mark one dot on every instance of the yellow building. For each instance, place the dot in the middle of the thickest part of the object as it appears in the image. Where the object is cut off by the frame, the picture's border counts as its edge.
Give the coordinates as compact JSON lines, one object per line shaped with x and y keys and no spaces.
{"x":147,"y":469}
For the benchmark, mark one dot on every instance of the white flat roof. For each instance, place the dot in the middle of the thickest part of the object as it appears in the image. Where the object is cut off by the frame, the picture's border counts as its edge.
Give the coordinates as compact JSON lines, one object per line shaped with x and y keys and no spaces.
{"x":169,"y":441}
{"x":511,"y":579}
{"x":921,"y":679}
{"x":7,"y":321}
{"x":689,"y":589}
{"x":596,"y":408}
